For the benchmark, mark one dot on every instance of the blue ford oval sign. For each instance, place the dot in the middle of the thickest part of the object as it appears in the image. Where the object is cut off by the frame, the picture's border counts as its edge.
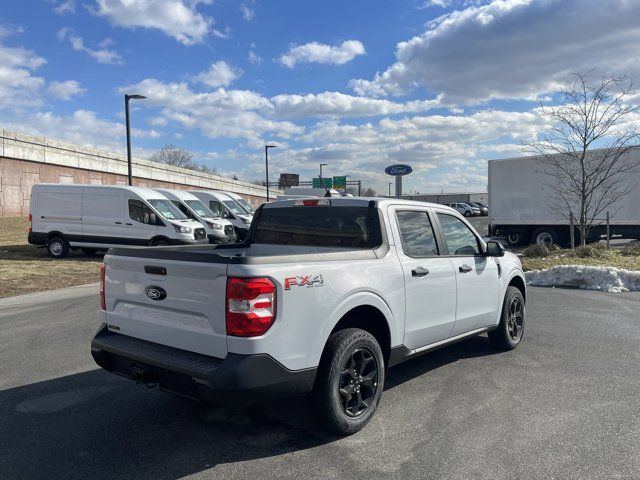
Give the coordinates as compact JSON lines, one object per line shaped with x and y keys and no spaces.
{"x":398,"y":170}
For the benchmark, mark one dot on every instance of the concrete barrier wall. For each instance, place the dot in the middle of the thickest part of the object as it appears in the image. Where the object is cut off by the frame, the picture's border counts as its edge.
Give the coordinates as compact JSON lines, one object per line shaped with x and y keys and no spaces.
{"x":26,"y":160}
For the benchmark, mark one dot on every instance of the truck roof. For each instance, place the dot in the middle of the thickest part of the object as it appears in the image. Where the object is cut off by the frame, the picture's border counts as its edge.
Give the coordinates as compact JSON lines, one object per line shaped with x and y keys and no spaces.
{"x":359,"y":202}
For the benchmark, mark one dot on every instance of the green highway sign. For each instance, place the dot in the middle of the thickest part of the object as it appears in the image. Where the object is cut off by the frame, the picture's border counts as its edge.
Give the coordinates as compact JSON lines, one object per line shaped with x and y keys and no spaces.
{"x":340,"y":182}
{"x":328,"y":182}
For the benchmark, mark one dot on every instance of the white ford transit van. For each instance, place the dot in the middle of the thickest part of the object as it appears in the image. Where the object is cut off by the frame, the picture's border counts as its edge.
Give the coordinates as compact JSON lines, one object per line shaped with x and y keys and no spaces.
{"x":95,"y":217}
{"x":219,"y":230}
{"x":226,"y":207}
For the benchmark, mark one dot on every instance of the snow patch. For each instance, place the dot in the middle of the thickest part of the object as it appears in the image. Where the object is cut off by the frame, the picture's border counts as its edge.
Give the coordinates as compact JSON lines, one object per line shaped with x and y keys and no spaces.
{"x":607,"y":279}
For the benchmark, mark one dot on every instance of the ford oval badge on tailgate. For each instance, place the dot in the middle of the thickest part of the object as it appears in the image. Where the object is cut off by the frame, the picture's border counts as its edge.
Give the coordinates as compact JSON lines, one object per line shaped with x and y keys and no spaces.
{"x":156,"y":293}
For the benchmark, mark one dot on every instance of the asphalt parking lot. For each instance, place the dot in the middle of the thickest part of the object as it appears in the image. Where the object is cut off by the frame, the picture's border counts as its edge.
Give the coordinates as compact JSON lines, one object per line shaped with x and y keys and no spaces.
{"x":565,"y":404}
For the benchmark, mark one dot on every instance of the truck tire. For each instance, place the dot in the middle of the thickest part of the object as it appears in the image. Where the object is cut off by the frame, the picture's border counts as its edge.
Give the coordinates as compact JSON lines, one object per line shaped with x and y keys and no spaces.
{"x":510,"y":330}
{"x":57,"y":247}
{"x":349,"y":382}
{"x":544,"y":236}
{"x":514,"y":239}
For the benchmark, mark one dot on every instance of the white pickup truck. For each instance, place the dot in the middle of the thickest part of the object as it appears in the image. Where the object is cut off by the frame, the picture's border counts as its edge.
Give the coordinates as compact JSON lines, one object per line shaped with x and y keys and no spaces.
{"x":322,"y":298}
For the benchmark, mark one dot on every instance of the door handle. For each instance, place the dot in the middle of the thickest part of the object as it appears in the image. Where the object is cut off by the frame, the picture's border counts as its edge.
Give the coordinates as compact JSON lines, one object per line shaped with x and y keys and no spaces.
{"x":118,"y":223}
{"x":419,"y":272}
{"x":129,"y":224}
{"x":464,"y":268}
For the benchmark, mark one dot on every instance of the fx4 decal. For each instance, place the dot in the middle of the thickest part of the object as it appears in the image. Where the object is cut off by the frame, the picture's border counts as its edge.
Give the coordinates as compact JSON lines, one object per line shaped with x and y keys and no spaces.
{"x":303,"y":281}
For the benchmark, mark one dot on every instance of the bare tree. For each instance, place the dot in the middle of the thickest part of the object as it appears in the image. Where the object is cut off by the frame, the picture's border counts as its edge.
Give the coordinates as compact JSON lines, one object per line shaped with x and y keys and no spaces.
{"x":179,"y":157}
{"x":586,"y":150}
{"x":175,"y":156}
{"x":369,"y":192}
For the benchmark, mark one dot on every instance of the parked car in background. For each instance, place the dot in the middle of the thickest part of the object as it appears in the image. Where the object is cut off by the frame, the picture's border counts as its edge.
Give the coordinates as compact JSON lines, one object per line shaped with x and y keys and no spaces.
{"x":484,"y":210}
{"x":240,"y":200}
{"x":224,"y":206}
{"x":324,"y":296}
{"x":465,"y":209}
{"x":96,"y":217}
{"x":219,"y":230}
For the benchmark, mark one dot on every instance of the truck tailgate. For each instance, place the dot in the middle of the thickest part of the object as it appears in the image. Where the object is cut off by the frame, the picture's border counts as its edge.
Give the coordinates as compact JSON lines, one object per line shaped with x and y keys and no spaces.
{"x":171,"y":302}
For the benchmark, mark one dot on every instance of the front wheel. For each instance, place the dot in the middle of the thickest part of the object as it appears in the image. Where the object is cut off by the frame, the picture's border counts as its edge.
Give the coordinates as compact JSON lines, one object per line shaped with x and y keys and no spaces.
{"x":510,"y":330}
{"x":467,"y":213}
{"x":350,"y":381}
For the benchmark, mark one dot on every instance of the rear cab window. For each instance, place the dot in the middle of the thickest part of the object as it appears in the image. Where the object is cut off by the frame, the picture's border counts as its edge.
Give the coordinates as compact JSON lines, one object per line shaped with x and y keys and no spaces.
{"x":326,"y":226}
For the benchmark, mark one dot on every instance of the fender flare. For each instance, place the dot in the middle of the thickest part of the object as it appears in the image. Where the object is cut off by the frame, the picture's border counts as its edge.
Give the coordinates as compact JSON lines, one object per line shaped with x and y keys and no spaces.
{"x":354,"y":300}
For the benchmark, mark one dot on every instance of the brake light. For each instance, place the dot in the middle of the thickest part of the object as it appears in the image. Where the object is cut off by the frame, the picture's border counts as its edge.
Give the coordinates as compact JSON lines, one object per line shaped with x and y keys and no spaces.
{"x":311,"y":202}
{"x":251,"y":306}
{"x":30,"y":223}
{"x":103,"y":292}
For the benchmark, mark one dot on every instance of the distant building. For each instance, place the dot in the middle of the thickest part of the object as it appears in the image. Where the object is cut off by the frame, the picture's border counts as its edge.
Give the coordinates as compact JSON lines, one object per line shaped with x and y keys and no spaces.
{"x":449,"y":197}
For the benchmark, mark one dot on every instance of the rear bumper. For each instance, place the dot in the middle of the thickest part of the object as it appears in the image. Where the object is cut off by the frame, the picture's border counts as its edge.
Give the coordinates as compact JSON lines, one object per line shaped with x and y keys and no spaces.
{"x":236,"y":380}
{"x":37,"y":238}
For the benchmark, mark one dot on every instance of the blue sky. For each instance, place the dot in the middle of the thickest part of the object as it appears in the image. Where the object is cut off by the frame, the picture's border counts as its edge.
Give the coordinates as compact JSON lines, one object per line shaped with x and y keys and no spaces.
{"x":443,"y":85}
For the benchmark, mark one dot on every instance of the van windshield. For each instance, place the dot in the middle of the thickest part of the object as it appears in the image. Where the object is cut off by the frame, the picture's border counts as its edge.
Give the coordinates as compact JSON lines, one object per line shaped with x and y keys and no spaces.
{"x":234,"y":207}
{"x":167,"y":209}
{"x":245,"y":205}
{"x":200,"y":208}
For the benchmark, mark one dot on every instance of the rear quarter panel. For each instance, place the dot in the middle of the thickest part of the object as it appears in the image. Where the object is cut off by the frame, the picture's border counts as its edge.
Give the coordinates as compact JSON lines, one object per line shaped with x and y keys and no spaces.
{"x":306,"y":314}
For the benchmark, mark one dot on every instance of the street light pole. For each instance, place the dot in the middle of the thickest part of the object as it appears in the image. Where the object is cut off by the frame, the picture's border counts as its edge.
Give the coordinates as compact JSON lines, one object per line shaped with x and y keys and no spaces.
{"x":128,"y":97}
{"x":266,"y":165}
{"x":390,"y":189}
{"x":322,"y":165}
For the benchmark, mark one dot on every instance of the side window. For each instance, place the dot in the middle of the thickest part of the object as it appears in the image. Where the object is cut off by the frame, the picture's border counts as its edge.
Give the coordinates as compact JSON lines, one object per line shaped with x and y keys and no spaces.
{"x":139,"y":212}
{"x":216,"y":207}
{"x":416,"y":234}
{"x":460,"y":240}
{"x":181,"y":206}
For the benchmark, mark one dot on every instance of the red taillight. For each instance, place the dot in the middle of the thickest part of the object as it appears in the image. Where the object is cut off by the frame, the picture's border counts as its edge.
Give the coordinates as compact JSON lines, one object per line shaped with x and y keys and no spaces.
{"x":251,"y":306}
{"x":30,"y":223}
{"x":103,"y":297}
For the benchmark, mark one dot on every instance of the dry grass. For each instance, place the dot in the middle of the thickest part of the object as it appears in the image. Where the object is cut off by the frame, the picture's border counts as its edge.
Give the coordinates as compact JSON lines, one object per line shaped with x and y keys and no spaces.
{"x":25,"y":268}
{"x":591,"y":255}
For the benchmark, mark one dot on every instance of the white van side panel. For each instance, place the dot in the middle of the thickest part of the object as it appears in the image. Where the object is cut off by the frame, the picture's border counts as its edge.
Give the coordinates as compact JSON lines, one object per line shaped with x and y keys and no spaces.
{"x":102,"y":213}
{"x":58,"y":209}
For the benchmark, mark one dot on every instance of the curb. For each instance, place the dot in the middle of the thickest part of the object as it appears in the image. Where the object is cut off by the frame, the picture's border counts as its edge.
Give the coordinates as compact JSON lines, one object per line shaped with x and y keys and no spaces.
{"x":49,"y":296}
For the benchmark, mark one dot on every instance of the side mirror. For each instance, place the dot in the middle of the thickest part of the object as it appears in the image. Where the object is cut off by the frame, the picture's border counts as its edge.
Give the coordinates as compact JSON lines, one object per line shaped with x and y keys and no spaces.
{"x":494,"y":249}
{"x":153,"y":220}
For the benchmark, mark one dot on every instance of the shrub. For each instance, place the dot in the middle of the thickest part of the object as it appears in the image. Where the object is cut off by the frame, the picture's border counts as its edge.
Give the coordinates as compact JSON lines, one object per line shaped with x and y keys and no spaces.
{"x":536,"y":251}
{"x":595,"y":250}
{"x":631,"y":250}
{"x":553,"y":248}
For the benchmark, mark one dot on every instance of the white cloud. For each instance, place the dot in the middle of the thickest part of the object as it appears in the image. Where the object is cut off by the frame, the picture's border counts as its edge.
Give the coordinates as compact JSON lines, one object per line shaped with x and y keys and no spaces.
{"x":512,"y":49}
{"x":177,"y":18}
{"x":65,"y":90}
{"x":102,"y":55}
{"x":220,"y":74}
{"x":253,"y":57}
{"x":340,"y":105}
{"x":19,"y":87}
{"x":65,"y":6}
{"x":248,"y":10}
{"x":315,"y":52}
{"x":435,"y":3}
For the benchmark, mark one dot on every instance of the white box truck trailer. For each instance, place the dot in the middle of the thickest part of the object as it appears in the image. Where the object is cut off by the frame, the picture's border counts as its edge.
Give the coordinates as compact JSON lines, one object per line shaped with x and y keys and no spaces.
{"x":522,"y":209}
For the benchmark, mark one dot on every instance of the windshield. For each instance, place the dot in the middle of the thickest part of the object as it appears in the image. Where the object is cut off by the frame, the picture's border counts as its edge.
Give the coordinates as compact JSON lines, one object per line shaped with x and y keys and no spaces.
{"x":234,"y":207}
{"x":200,"y":208}
{"x":167,"y":209}
{"x":245,"y":205}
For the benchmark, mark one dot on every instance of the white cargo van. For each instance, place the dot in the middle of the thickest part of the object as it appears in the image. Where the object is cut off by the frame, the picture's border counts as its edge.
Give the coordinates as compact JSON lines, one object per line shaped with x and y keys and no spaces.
{"x":226,"y":207}
{"x":95,"y":217}
{"x":219,"y":230}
